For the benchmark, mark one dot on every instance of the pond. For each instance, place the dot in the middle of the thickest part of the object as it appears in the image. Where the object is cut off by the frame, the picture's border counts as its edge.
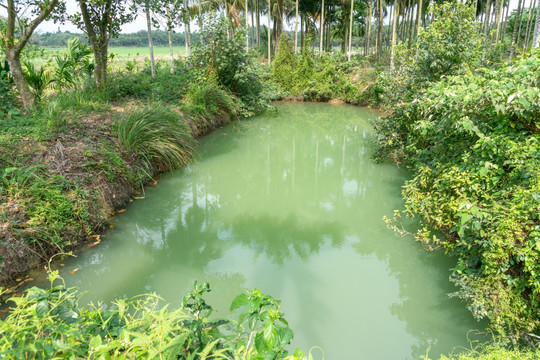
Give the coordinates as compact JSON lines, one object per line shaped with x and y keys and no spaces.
{"x":291,"y":204}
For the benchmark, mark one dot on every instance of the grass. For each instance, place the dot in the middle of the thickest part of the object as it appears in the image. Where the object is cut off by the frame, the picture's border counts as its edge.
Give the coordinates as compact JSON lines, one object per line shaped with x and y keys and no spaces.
{"x":158,"y":136}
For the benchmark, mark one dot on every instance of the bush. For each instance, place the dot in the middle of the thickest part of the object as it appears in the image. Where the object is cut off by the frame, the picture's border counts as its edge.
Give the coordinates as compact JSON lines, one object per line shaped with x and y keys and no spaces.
{"x":284,"y":63}
{"x":49,"y":323}
{"x":222,"y":59}
{"x":451,"y":45}
{"x":157,"y":136}
{"x":208,"y":107}
{"x":473,"y":143}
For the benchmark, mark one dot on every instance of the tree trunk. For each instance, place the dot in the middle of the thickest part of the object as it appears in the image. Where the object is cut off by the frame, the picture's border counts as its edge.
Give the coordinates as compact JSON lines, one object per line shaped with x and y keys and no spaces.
{"x":247,"y":25}
{"x":418,"y":18}
{"x":302,"y":32}
{"x":515,"y":32}
{"x":188,"y":30}
{"x":394,"y":35}
{"x":150,"y":42}
{"x":498,"y":15}
{"x":14,"y":60}
{"x":391,"y":21}
{"x":368,"y":30}
{"x":269,"y":41}
{"x":529,"y":25}
{"x":503,"y":32}
{"x":252,"y":28}
{"x":321,"y":29}
{"x":411,"y":27}
{"x":258,"y":23}
{"x":536,"y":33}
{"x":169,"y":31}
{"x":379,"y":28}
{"x":350,"y":30}
{"x":296,"y":28}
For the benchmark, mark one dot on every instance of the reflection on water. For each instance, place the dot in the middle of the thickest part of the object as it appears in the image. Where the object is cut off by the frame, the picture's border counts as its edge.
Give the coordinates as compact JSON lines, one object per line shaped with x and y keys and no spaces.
{"x":290,"y":204}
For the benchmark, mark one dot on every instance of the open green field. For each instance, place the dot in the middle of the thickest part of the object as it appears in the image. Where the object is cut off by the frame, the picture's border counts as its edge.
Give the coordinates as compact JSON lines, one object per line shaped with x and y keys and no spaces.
{"x":128,"y":52}
{"x":121,"y":54}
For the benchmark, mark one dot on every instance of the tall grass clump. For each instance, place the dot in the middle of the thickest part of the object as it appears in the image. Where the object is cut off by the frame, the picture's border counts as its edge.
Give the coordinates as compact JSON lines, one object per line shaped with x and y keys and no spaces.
{"x":209,"y":106}
{"x":158,"y":136}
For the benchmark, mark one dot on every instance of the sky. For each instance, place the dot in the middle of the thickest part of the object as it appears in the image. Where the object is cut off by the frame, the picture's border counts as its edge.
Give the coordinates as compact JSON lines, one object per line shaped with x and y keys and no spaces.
{"x":140,"y":21}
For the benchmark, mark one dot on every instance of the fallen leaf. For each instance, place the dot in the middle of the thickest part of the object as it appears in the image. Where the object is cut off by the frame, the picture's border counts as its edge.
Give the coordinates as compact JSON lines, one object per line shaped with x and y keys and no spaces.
{"x":121,"y":211}
{"x":138,"y":197}
{"x":61,"y":264}
{"x":73,"y":271}
{"x":111,"y":226}
{"x":154,"y":183}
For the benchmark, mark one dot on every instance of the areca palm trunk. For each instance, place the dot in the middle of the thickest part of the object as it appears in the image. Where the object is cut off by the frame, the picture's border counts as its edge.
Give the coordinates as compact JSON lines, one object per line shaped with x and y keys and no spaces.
{"x":368,"y":30}
{"x":169,"y":31}
{"x":188,"y":31}
{"x":150,"y":42}
{"x":418,"y":17}
{"x":296,"y":29}
{"x":322,"y":29}
{"x":379,"y":28}
{"x":536,"y":33}
{"x":350,"y":31}
{"x":258,"y":19}
{"x":498,"y":15}
{"x":247,"y":25}
{"x":269,"y":36}
{"x":394,"y":35}
{"x":515,"y":32}
{"x":529,"y":25}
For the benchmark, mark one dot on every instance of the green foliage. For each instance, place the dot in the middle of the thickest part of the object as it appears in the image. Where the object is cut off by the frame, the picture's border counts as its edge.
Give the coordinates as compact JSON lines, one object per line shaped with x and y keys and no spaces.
{"x":268,"y":330}
{"x":71,"y":67}
{"x":158,"y":136}
{"x":49,"y":323}
{"x":473,"y":141}
{"x":209,"y":106}
{"x":38,"y":80}
{"x":450,"y":45}
{"x":7,"y":95}
{"x":304,"y":70}
{"x":494,"y":352}
{"x":285,"y":63}
{"x":328,"y":81}
{"x":222,"y":59}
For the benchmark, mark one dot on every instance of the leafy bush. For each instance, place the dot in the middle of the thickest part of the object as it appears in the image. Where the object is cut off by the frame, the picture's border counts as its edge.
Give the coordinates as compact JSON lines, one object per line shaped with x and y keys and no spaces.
{"x":49,"y":323}
{"x":451,"y":45}
{"x":7,"y":95}
{"x":222,"y":59}
{"x":208,"y":107}
{"x":304,"y":70}
{"x":284,"y":63}
{"x":473,"y":143}
{"x":158,"y":136}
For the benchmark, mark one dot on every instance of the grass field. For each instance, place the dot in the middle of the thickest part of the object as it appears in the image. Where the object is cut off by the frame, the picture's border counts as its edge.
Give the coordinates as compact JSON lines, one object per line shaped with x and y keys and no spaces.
{"x":121,"y":54}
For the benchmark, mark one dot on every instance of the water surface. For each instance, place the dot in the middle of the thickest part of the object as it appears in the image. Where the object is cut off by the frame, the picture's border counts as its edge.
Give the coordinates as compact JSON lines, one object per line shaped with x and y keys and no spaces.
{"x":291,"y":204}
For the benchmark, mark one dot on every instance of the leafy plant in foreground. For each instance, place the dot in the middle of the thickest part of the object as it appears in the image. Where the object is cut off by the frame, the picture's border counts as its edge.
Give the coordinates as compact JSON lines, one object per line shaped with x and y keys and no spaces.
{"x":49,"y":323}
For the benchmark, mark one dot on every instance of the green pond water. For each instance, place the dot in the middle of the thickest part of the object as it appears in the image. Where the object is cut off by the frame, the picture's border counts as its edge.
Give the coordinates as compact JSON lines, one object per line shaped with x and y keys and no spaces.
{"x":292,"y":204}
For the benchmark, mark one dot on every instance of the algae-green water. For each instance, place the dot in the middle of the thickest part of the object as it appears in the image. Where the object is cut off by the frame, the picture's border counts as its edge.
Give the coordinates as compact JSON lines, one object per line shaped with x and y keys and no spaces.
{"x":290,"y":203}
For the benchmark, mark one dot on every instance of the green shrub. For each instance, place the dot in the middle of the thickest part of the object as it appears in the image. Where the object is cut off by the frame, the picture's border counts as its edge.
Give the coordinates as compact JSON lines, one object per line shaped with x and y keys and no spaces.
{"x":222,"y":59}
{"x":285,"y":63}
{"x":49,"y":323}
{"x":209,"y":107}
{"x":304,"y":70}
{"x":473,"y":144}
{"x":158,"y":136}
{"x":451,"y":45}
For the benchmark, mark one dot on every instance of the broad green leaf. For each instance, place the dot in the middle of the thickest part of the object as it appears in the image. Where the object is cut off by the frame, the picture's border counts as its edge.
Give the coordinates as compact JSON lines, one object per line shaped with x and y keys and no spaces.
{"x":239,"y":301}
